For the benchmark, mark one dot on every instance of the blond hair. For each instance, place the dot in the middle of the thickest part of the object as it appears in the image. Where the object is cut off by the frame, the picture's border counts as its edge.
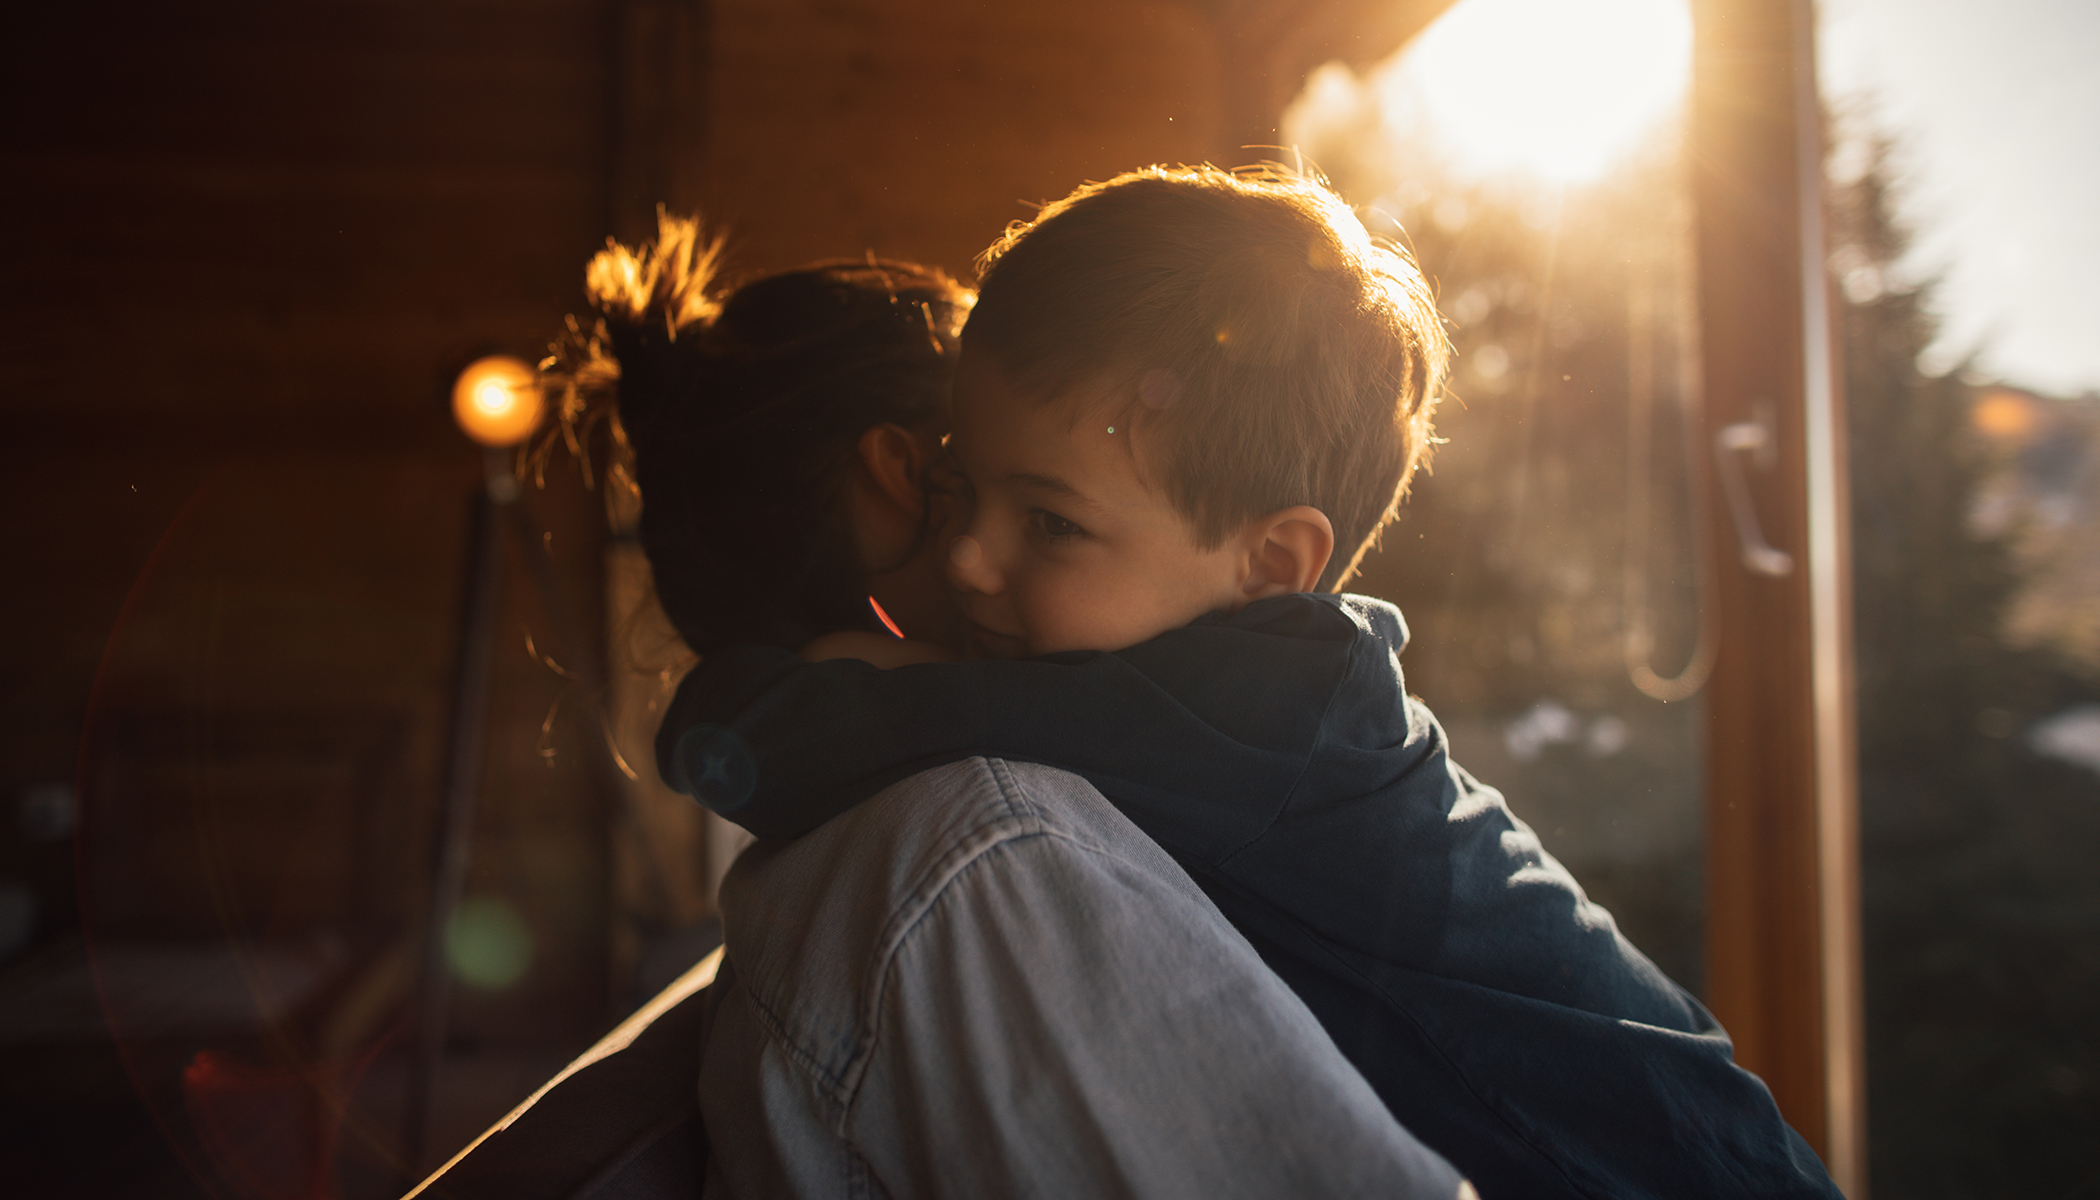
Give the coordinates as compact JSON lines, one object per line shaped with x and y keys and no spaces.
{"x":1266,"y":349}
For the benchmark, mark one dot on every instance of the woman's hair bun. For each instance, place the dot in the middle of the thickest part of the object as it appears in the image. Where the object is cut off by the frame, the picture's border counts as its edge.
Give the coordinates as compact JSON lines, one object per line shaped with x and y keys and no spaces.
{"x":662,"y":283}
{"x":734,"y":413}
{"x":654,"y":304}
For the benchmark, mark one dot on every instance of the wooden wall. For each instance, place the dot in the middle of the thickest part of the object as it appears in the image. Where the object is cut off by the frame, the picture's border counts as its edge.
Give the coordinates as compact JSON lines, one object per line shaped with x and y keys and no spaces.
{"x":248,"y":244}
{"x":922,"y":128}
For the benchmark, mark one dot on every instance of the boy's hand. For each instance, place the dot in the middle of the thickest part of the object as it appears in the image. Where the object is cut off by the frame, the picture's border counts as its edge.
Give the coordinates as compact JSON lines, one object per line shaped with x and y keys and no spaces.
{"x":878,"y":648}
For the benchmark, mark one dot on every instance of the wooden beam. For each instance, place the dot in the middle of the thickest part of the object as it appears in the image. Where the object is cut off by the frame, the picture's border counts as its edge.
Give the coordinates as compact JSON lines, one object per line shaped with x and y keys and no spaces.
{"x":1782,"y":889}
{"x":662,"y":56}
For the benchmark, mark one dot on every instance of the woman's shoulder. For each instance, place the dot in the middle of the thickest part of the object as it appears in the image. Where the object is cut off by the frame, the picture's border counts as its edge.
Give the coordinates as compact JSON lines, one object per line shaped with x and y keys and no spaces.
{"x":817,"y":926}
{"x":908,"y":841}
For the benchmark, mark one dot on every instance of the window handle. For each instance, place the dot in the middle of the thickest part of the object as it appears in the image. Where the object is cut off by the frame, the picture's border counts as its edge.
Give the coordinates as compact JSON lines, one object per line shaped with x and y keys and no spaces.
{"x":1755,"y":438}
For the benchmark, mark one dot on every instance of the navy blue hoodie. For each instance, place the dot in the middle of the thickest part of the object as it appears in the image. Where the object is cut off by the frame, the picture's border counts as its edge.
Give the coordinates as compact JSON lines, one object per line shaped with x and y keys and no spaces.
{"x":1277,"y":756}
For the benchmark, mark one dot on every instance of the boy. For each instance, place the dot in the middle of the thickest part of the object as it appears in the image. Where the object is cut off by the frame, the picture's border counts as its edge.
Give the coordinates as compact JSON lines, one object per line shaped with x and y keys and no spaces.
{"x":1187,"y":401}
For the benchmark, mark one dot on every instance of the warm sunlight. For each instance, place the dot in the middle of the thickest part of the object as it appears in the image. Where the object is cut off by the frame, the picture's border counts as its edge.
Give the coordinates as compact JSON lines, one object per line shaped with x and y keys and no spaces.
{"x":1552,"y":88}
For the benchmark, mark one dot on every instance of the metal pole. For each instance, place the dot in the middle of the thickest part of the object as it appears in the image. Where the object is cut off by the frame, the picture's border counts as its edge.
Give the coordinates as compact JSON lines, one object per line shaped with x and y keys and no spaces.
{"x":480,"y":607}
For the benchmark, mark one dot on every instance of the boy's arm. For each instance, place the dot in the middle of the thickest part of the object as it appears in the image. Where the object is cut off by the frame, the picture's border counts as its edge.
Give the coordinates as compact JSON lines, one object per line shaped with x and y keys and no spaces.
{"x":875,"y":648}
{"x":779,"y":745}
{"x":1229,"y":714}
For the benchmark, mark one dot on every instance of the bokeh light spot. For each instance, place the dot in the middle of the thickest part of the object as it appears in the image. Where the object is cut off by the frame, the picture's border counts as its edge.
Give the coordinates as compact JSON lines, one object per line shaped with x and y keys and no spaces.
{"x":497,"y":400}
{"x":488,"y":943}
{"x":2005,"y":415}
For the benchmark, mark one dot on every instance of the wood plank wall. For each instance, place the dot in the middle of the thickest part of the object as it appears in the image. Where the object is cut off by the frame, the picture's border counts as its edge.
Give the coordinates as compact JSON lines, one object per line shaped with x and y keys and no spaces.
{"x":247,"y":244}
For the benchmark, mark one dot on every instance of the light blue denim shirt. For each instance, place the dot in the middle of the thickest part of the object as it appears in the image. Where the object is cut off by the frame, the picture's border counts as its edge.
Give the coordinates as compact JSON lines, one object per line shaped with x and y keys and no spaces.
{"x":986,"y":982}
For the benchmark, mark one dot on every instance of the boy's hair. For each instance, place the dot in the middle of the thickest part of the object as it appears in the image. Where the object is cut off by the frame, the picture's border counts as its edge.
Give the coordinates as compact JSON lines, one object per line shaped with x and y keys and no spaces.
{"x":1279,"y":353}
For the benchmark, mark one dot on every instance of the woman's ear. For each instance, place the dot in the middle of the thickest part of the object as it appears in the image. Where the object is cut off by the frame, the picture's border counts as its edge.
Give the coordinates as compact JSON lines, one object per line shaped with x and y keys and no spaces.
{"x":1287,"y":552}
{"x":888,"y":500}
{"x":895,"y":461}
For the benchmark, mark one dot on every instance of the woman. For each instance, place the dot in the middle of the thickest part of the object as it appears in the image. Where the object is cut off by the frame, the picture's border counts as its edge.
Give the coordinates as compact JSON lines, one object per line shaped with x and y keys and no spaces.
{"x":983,"y":981}
{"x":782,"y":433}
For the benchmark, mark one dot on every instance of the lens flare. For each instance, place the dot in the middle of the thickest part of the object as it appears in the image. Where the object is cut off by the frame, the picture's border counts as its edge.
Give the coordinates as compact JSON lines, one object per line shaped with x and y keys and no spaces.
{"x":488,"y":944}
{"x":714,"y":766}
{"x":882,"y":615}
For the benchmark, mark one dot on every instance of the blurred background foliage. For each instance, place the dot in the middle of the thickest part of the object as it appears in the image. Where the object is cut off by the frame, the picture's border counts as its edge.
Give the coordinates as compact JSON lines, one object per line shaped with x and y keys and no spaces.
{"x":1973,"y":520}
{"x":1547,"y":564}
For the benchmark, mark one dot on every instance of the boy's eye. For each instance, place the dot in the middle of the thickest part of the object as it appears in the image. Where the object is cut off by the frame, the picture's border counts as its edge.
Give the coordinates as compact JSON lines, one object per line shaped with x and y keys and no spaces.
{"x":1052,"y":526}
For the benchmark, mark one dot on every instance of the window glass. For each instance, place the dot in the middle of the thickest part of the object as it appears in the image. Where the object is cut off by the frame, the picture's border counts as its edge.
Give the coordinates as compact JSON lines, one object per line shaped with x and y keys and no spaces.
{"x":1963,"y":182}
{"x":1530,"y":154}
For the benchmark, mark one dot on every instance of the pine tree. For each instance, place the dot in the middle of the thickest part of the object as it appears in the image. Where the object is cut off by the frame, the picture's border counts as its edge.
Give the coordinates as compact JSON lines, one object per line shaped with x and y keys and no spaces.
{"x":1981,"y":913}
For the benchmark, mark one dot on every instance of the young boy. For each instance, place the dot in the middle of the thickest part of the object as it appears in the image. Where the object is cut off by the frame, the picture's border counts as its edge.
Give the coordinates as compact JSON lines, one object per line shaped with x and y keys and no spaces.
{"x":1187,"y":401}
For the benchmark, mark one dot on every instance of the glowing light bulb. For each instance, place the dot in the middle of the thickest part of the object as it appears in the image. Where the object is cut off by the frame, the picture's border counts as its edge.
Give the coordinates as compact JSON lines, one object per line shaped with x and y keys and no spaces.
{"x":497,"y":401}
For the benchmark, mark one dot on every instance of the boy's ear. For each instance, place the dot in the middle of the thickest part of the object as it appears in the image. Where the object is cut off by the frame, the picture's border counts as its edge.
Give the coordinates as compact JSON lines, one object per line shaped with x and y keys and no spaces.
{"x":1287,"y":552}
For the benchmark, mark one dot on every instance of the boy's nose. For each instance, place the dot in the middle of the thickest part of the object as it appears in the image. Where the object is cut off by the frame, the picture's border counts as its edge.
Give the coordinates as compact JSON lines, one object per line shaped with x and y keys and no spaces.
{"x":969,"y":568}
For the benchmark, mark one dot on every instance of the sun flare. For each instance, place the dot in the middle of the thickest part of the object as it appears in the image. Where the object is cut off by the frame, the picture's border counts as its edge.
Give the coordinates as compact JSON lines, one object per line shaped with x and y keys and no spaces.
{"x":1558,"y":89}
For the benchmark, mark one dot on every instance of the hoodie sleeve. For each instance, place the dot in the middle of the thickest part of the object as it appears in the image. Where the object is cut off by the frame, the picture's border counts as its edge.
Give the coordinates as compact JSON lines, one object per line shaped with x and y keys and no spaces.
{"x":1228,"y":711}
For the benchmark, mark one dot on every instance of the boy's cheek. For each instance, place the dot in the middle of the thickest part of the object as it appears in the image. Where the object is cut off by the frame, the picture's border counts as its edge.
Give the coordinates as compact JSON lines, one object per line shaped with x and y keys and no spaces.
{"x":1040,"y":613}
{"x":1079,"y":619}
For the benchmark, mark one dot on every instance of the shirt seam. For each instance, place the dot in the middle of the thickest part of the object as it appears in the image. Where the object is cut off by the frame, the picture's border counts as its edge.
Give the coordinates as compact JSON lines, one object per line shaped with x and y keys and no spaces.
{"x":1023,"y":823}
{"x":841,"y":1083}
{"x":1017,"y":821}
{"x":1350,"y":670}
